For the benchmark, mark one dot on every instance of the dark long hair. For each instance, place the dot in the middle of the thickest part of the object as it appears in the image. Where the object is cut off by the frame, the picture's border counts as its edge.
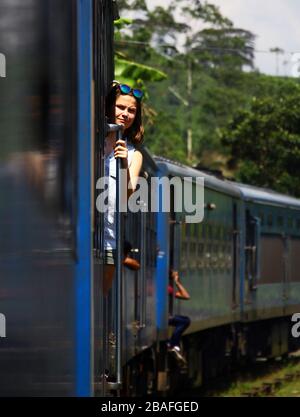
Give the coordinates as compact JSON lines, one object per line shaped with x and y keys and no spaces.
{"x":135,"y":133}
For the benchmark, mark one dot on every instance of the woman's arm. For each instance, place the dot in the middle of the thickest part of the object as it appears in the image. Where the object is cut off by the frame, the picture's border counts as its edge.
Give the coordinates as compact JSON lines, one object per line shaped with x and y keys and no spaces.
{"x":182,"y":293}
{"x":134,"y":170}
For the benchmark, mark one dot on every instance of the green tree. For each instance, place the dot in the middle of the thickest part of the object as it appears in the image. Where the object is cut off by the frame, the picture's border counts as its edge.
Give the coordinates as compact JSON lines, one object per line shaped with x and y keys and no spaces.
{"x":206,"y":83}
{"x":131,"y":71}
{"x":218,"y":45}
{"x":264,"y":141}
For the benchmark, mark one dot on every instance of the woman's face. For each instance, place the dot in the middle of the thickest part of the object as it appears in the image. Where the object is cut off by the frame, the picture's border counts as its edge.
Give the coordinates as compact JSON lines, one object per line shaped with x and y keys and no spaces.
{"x":126,"y":107}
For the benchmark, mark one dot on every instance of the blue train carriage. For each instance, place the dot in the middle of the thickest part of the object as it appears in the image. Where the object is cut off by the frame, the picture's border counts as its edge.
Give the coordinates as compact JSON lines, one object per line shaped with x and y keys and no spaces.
{"x":271,"y":280}
{"x":207,"y":255}
{"x":46,"y":183}
{"x":139,"y":289}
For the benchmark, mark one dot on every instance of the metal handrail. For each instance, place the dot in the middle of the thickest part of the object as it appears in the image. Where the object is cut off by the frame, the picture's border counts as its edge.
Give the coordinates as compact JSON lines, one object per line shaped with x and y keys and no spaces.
{"x":119,"y":255}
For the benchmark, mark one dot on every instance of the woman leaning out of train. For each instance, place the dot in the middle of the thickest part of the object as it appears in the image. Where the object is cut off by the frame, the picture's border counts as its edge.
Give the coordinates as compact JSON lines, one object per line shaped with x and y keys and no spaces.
{"x":124,"y":103}
{"x":181,"y":323}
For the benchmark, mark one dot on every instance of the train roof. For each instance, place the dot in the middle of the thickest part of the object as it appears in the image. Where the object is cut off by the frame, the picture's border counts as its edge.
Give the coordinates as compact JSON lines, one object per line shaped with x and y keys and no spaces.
{"x":148,"y":161}
{"x":242,"y":191}
{"x":170,"y":167}
{"x":267,"y":196}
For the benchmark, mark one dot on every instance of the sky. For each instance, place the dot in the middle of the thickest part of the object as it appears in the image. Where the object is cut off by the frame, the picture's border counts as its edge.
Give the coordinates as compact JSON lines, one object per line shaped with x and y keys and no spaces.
{"x":276,"y":23}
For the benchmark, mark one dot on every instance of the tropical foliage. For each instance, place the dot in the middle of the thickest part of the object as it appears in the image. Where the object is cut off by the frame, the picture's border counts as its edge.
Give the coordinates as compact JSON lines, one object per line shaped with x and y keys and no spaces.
{"x":264,"y":141}
{"x":239,"y":120}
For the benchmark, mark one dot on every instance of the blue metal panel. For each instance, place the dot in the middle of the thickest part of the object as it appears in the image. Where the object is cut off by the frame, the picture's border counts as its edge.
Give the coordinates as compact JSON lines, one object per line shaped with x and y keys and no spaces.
{"x":84,"y":241}
{"x":162,"y":271}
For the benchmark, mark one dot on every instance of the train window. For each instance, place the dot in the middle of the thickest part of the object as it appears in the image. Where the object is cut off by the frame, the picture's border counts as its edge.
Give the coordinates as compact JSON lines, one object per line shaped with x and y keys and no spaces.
{"x":192,"y":229}
{"x":183,"y":246}
{"x":207,"y":256}
{"x":298,"y":224}
{"x":217,"y":232}
{"x":150,"y":237}
{"x":200,"y":249}
{"x":223,"y":256}
{"x":270,"y":219}
{"x":183,"y":254}
{"x":229,"y":261}
{"x":215,"y":263}
{"x":200,"y":255}
{"x":228,"y":234}
{"x":188,"y":230}
{"x":290,"y":222}
{"x":209,"y":231}
{"x":212,"y":231}
{"x":193,"y":255}
{"x":203,"y":230}
{"x":262,"y":218}
{"x":200,"y":231}
{"x":183,"y":232}
{"x":222,"y":233}
{"x":280,"y":220}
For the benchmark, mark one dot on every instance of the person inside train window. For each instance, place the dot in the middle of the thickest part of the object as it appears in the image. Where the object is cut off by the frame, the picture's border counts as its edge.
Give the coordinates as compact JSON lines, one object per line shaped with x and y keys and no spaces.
{"x":181,"y":323}
{"x":123,"y":106}
{"x":129,"y":262}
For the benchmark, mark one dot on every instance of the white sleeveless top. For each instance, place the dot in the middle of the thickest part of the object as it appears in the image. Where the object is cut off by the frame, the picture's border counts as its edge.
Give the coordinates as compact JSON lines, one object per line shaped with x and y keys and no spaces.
{"x":109,"y":215}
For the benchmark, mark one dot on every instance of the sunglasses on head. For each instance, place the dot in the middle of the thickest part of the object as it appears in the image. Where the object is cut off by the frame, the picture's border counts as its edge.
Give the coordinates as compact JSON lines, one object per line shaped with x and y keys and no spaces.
{"x":126,"y":89}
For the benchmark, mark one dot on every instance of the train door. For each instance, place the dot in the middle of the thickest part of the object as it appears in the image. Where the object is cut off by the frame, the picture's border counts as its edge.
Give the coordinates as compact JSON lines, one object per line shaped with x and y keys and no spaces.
{"x":235,"y":258}
{"x":288,"y":245}
{"x":175,"y":234}
{"x":252,"y":254}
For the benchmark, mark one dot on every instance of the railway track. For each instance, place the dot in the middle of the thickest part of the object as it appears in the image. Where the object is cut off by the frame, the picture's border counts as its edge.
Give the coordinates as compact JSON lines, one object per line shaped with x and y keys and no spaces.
{"x":263,"y":378}
{"x":269,"y":389}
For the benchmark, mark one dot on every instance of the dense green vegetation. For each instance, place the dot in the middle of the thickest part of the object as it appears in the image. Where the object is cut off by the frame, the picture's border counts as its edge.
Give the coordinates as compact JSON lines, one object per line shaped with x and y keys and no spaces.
{"x":240,"y":121}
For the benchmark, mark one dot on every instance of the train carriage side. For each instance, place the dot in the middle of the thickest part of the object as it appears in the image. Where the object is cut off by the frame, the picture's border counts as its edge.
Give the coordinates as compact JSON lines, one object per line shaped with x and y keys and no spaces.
{"x":139,"y":319}
{"x":206,"y":253}
{"x":46,"y":184}
{"x":271,"y":281}
{"x":139,"y":286}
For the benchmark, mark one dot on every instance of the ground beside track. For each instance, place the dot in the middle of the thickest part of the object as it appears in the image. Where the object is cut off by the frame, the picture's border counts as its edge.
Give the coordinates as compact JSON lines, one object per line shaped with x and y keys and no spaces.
{"x":273,"y":378}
